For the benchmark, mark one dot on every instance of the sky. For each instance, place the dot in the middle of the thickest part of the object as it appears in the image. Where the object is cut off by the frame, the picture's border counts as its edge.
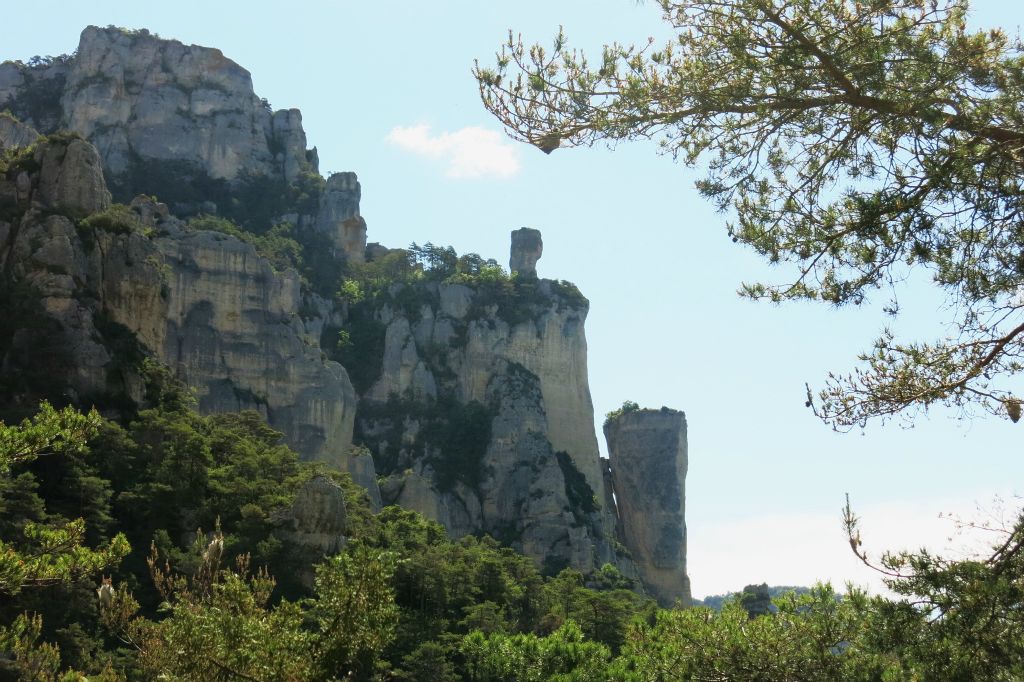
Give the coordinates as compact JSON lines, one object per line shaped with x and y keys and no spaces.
{"x":386,"y":90}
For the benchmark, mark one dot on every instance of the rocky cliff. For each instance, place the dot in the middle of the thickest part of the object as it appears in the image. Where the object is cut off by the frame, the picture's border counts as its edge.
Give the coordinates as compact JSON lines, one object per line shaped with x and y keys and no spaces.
{"x":204,"y":303}
{"x":465,"y":387}
{"x":648,"y":454}
{"x":480,"y":414}
{"x":182,"y":122}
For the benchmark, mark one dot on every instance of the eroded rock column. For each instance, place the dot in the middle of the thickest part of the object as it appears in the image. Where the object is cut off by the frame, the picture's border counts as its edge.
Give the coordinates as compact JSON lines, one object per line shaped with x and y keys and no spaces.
{"x":527,"y":248}
{"x":648,"y":464}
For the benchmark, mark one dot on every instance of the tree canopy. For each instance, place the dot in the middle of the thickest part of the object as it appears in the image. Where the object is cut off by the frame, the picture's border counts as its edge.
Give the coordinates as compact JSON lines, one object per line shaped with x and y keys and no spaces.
{"x":854,"y":141}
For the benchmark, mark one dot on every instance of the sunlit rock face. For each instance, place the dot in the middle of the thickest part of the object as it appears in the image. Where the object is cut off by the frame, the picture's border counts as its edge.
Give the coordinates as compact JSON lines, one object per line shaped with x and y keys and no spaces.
{"x":243,"y":335}
{"x":235,"y":329}
{"x":471,"y":398}
{"x":522,"y":362}
{"x":648,"y":455}
{"x":339,"y":217}
{"x":137,"y":96}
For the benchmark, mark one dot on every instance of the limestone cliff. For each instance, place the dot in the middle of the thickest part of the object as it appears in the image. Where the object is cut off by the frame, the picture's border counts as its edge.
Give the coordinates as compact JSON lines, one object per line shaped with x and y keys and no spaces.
{"x":479,"y":412}
{"x":182,"y":122}
{"x":205,"y":303}
{"x":648,"y":456}
{"x":466,"y":385}
{"x":139,"y":97}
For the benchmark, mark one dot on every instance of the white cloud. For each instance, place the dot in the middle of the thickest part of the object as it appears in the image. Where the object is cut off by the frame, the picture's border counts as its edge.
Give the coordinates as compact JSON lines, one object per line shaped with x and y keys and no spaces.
{"x":468,"y":153}
{"x":801,"y":549}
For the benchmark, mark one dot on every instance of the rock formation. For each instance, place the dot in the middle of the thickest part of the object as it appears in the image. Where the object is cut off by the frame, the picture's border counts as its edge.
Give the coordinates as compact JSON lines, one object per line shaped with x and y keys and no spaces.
{"x":339,"y":217}
{"x":515,"y":368}
{"x":468,"y":395}
{"x":206,"y":304}
{"x":141,"y":98}
{"x":527,"y":248}
{"x":317,"y":518}
{"x":648,"y":456}
{"x":14,"y":133}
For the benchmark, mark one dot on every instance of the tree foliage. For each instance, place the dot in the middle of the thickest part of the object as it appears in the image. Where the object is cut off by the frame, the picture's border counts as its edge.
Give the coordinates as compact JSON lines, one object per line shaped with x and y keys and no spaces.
{"x":855,"y":141}
{"x":403,"y":601}
{"x":49,"y":554}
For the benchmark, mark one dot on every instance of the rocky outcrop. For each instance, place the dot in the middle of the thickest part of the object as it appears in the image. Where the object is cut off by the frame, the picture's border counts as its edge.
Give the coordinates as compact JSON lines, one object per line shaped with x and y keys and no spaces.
{"x":135,"y":95}
{"x":70,"y":179}
{"x":339,"y":217}
{"x":243,"y":335}
{"x":462,"y":336}
{"x":490,"y":379}
{"x":527,"y":248}
{"x":14,"y":133}
{"x":314,"y":526}
{"x":235,"y":330}
{"x":648,"y":456}
{"x":514,"y":487}
{"x":317,"y":519}
{"x":32,"y":92}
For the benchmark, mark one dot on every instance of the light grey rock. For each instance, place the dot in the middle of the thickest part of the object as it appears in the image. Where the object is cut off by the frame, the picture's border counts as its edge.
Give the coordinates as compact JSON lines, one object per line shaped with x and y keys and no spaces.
{"x":205,"y":303}
{"x":12,"y":79}
{"x":32,"y":92}
{"x":455,"y":348}
{"x":648,"y":454}
{"x":290,"y":138}
{"x":315,"y":525}
{"x":70,"y":179}
{"x":233,"y":331}
{"x":456,"y":300}
{"x":13,"y":133}
{"x":524,"y":497}
{"x":318,"y":518}
{"x":339,"y":217}
{"x":46,"y":253}
{"x":136,"y":95}
{"x":527,"y":248}
{"x":360,"y":466}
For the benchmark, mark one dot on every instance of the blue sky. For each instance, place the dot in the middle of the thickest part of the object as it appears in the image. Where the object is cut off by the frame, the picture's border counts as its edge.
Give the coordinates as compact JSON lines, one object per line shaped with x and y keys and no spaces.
{"x":386,"y":91}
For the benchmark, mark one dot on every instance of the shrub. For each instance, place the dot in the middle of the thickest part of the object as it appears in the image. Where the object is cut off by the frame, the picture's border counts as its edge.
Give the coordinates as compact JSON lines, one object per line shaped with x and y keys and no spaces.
{"x":119,"y":219}
{"x":627,"y":407}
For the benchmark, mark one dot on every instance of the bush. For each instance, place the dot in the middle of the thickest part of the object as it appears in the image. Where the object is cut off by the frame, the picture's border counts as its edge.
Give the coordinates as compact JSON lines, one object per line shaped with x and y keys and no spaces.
{"x":118,"y":219}
{"x":627,"y":407}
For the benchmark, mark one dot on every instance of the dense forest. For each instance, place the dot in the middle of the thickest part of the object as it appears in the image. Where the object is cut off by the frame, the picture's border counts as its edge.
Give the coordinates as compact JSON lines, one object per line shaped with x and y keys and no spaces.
{"x":187,"y":517}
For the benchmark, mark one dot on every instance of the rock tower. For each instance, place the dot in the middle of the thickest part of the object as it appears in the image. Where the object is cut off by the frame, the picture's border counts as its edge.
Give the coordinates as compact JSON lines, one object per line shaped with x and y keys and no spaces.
{"x":527,"y":247}
{"x":648,"y":470}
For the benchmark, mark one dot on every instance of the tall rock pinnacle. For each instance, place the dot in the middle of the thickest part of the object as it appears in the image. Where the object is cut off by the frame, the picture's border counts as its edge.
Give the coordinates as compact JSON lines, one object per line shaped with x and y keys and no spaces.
{"x":648,"y":456}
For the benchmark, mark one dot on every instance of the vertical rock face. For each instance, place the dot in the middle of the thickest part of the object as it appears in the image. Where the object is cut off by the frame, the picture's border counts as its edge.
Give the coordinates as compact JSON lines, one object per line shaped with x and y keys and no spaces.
{"x":339,"y":217}
{"x":134,"y":94}
{"x":234,"y":330}
{"x":14,"y":133}
{"x":205,"y":303}
{"x":527,"y":248}
{"x":318,"y":518}
{"x":648,"y":466}
{"x":71,"y":179}
{"x":533,"y":478}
